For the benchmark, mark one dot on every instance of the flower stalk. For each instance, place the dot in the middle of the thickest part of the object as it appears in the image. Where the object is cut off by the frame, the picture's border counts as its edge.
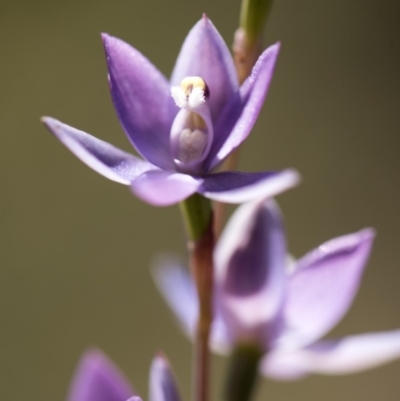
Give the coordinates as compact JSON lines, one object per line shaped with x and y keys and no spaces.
{"x":242,"y":373}
{"x":198,"y":218}
{"x":247,"y":40}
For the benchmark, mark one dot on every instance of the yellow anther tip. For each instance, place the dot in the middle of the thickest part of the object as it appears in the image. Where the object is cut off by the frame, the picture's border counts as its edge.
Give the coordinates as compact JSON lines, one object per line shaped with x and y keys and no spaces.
{"x":189,"y":83}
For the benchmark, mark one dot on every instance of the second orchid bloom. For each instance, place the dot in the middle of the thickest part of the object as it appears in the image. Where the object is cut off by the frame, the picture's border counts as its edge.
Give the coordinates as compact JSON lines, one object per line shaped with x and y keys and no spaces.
{"x":279,"y":306}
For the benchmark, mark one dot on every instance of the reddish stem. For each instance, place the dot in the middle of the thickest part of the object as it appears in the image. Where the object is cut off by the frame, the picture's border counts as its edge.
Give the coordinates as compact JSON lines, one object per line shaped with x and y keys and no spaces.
{"x":201,"y":264}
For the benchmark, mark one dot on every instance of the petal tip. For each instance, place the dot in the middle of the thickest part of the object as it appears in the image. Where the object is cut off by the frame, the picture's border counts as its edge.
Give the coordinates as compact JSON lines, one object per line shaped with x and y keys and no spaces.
{"x":160,"y":359}
{"x":108,"y":41}
{"x":161,"y":365}
{"x":47,"y":120}
{"x":367,"y":233}
{"x":52,"y":124}
{"x":363,"y":237}
{"x":104,"y":37}
{"x":293,"y":177}
{"x":275,"y":49}
{"x":366,"y":236}
{"x":268,"y":56}
{"x":276,"y":46}
{"x":95,"y":357}
{"x":204,"y":22}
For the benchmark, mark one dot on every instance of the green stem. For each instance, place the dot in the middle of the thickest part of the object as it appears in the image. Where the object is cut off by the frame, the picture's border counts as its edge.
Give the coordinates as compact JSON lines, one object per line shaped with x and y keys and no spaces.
{"x":242,"y":372}
{"x":253,"y":15}
{"x":247,"y":40}
{"x":198,"y":217}
{"x":196,"y":211}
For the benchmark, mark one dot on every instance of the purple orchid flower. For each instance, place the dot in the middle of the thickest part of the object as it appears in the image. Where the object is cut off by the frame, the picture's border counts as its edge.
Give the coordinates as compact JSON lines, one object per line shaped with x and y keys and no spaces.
{"x":183,"y":128}
{"x":98,"y":379}
{"x":282,"y":307}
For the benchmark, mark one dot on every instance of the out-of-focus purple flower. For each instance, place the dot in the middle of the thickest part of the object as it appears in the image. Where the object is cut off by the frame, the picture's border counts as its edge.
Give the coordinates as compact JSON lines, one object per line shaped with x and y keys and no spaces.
{"x":98,"y":379}
{"x":183,"y":128}
{"x":282,"y":306}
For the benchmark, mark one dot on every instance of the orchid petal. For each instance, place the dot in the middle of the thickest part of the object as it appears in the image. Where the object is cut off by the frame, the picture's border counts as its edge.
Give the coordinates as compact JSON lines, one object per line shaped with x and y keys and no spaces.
{"x":205,"y":54}
{"x":237,"y":187}
{"x":240,"y":114}
{"x":98,"y":379}
{"x":162,"y":188}
{"x":250,"y":278}
{"x":162,"y":382}
{"x":178,"y":290}
{"x":336,"y":357}
{"x":278,"y":365}
{"x":323,"y":286}
{"x":106,"y":159}
{"x":142,"y":100}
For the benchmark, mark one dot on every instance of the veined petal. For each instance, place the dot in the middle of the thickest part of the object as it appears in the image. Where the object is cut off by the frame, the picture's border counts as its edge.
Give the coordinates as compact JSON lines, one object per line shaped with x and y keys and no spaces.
{"x":178,"y":290}
{"x":163,"y":188}
{"x":323,"y":286}
{"x":141,"y":97}
{"x":162,"y":386}
{"x":336,"y":357}
{"x":249,"y":271}
{"x":240,"y":114}
{"x":98,"y":379}
{"x":237,"y":187}
{"x":205,"y":54}
{"x":106,"y":159}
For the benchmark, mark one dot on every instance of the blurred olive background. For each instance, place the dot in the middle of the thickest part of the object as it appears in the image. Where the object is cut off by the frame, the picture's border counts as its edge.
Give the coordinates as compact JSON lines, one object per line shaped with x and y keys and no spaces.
{"x":76,"y":248}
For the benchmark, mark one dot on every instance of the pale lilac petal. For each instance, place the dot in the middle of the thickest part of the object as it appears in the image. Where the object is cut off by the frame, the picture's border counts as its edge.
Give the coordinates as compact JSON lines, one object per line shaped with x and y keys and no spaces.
{"x":205,"y":54}
{"x":106,"y":159}
{"x":221,"y":340}
{"x":323,"y":286}
{"x":135,"y":398}
{"x":142,"y":99}
{"x":237,"y":187}
{"x":240,"y":114}
{"x":189,"y":153}
{"x":278,"y":365}
{"x":162,"y":386}
{"x":336,"y":357}
{"x":250,"y":278}
{"x":162,"y":188}
{"x":178,"y":290}
{"x":98,"y":379}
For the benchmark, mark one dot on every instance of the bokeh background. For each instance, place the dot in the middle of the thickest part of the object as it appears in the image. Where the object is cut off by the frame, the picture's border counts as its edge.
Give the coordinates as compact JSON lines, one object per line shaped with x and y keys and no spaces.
{"x":76,"y":248}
